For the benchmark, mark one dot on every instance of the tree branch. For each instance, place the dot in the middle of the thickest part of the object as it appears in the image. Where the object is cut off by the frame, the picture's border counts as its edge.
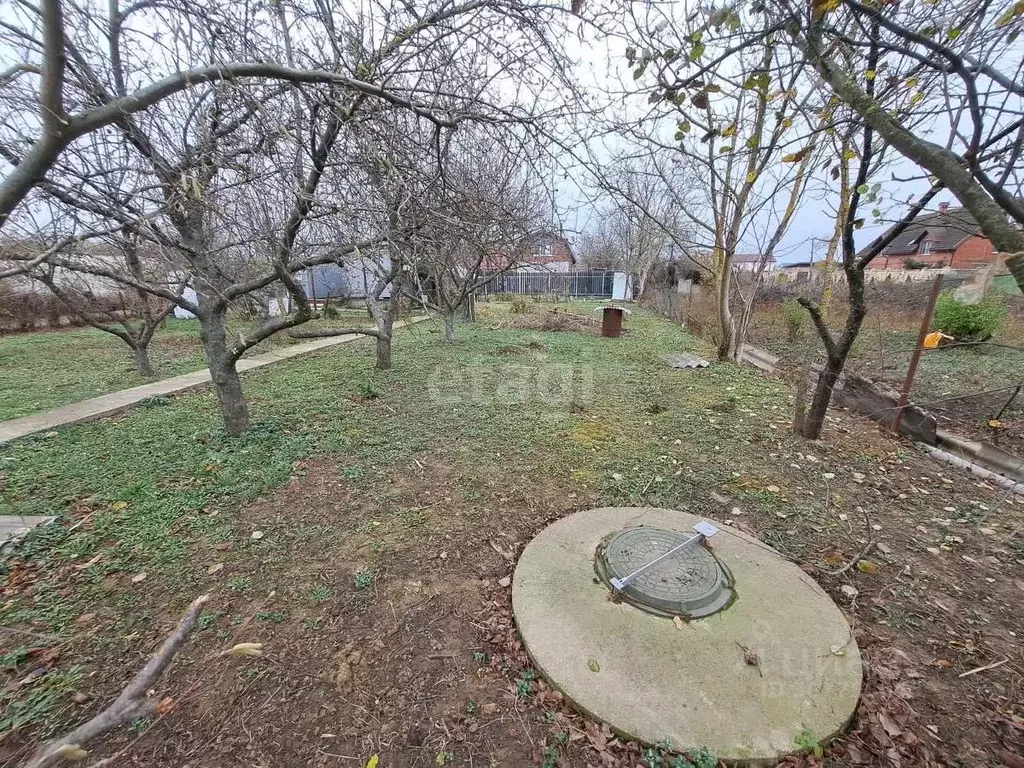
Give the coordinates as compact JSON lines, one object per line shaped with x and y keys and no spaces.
{"x":133,"y":701}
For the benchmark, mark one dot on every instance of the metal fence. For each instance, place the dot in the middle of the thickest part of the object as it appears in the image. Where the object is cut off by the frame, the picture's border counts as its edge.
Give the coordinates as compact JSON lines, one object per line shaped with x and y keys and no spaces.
{"x":596,"y":283}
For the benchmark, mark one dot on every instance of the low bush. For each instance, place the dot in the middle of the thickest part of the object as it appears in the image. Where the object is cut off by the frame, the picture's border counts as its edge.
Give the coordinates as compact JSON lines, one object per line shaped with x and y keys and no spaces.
{"x":968,"y":322}
{"x":519,"y":305}
{"x":794,"y":317}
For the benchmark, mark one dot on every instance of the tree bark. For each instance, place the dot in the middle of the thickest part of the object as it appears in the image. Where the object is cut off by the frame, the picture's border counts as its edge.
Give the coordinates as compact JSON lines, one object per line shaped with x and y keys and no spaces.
{"x":214,"y":334}
{"x":449,"y":326}
{"x":814,"y":421}
{"x":727,"y":323}
{"x":140,"y":354}
{"x":384,"y":351}
{"x":383,"y":316}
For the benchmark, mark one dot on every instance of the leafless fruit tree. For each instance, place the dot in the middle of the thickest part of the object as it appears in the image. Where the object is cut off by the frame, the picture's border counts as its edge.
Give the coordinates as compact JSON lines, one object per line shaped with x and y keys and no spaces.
{"x":482,"y":213}
{"x":639,"y":225}
{"x":133,"y":316}
{"x":225,"y":175}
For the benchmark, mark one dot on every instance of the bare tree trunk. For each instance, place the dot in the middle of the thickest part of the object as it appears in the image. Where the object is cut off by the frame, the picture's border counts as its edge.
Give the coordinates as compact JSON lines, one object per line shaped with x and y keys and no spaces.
{"x":384,"y":350}
{"x":1016,"y":265}
{"x":836,"y":354}
{"x":727,"y":323}
{"x":384,"y":318}
{"x":140,"y":354}
{"x":641,"y":286}
{"x":449,"y":325}
{"x":214,"y":333}
{"x":743,"y":326}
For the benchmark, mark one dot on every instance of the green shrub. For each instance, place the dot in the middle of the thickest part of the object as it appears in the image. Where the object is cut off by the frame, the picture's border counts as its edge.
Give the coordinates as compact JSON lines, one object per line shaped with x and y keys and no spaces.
{"x":968,"y":322}
{"x":519,"y":305}
{"x":795,"y":319}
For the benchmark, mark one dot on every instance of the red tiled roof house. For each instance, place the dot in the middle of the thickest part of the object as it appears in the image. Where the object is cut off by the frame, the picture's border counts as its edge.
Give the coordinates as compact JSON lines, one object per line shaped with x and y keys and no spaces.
{"x":949,"y":238}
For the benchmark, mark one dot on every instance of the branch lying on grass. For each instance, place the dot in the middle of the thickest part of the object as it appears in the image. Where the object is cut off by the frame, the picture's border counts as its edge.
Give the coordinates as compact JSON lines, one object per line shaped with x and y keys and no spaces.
{"x":332,"y":332}
{"x":856,"y":558}
{"x":131,"y":704}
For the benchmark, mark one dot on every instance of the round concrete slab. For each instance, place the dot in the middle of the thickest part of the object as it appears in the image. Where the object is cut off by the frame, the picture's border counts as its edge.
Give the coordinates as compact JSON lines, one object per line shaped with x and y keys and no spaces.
{"x":690,"y":686}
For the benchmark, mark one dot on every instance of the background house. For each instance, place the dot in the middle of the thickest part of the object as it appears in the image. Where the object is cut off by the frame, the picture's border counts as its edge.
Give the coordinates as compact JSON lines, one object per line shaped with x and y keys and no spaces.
{"x":751,"y":262}
{"x":551,"y":253}
{"x":352,"y":280}
{"x":949,"y":238}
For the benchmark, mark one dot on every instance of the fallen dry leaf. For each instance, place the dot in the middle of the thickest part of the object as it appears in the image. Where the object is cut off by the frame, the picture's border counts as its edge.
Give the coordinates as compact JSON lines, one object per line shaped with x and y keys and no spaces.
{"x":215,"y":568}
{"x":139,"y":577}
{"x":890,"y":727}
{"x":245,"y":649}
{"x":83,"y":566}
{"x":71,"y":752}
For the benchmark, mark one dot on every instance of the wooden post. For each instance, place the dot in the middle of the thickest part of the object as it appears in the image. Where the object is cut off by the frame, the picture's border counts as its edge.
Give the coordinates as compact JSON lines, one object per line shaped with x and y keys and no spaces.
{"x":908,"y":381}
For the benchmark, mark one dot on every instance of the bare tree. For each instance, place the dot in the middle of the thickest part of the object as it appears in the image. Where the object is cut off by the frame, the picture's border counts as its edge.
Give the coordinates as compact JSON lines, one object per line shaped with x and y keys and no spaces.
{"x":481,"y":216}
{"x":870,"y":160}
{"x":195,"y":158}
{"x":132,"y":315}
{"x":46,"y":78}
{"x":642,"y":221}
{"x":723,"y":149}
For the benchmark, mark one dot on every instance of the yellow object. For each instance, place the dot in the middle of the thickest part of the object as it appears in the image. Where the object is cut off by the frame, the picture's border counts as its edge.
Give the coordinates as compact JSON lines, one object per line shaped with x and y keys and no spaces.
{"x":372,"y":762}
{"x":932,"y":340}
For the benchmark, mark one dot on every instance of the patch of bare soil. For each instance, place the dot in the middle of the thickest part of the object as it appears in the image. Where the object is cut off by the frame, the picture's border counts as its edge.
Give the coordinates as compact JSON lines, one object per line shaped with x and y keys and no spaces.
{"x":400,"y":654}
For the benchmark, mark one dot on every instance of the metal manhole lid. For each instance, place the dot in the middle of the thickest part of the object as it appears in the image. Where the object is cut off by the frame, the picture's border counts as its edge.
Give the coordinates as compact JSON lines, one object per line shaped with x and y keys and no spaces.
{"x":690,"y":583}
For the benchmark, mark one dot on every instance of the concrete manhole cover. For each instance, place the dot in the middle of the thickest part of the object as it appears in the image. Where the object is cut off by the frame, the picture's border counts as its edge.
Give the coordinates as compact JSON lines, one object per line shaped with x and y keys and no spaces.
{"x":688,"y":683}
{"x":691,"y":583}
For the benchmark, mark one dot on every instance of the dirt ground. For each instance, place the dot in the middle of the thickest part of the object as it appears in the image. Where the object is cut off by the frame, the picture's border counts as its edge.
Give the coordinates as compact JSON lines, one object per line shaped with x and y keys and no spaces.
{"x":379,"y":585}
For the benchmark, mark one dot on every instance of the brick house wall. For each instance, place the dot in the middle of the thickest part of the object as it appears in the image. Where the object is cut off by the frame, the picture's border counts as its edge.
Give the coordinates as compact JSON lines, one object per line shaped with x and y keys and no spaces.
{"x":554,"y":251}
{"x":973,"y":251}
{"x":933,"y":259}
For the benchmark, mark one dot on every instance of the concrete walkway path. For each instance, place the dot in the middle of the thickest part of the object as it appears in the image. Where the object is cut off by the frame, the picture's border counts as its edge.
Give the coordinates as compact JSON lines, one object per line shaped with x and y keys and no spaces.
{"x":116,"y":402}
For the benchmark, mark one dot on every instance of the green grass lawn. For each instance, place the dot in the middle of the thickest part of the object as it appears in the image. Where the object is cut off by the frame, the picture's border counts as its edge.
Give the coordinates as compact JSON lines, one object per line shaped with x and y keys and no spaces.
{"x":40,"y":371}
{"x":367,"y":487}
